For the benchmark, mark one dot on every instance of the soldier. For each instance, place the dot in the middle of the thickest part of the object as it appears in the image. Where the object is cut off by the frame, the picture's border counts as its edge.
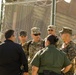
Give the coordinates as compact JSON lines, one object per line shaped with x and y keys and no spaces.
{"x":35,"y":44}
{"x":52,"y":31}
{"x":69,"y":47}
{"x":23,"y":41}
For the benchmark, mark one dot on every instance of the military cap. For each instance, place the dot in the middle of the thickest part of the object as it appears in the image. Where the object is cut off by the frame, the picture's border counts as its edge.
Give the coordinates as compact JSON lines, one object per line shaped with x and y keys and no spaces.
{"x":51,"y":27}
{"x":66,"y":30}
{"x":35,"y":30}
{"x":23,"y":33}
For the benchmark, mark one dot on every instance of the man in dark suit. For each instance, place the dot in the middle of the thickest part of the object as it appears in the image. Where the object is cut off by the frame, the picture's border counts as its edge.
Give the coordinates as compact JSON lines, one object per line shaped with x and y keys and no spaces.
{"x":12,"y":56}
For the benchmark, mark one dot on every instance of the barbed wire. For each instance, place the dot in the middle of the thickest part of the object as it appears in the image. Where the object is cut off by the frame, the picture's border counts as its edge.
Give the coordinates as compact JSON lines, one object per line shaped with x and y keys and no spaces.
{"x":38,"y":3}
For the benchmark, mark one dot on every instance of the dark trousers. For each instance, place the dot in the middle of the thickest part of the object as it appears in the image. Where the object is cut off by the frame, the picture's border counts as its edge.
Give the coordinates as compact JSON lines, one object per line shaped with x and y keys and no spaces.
{"x":51,"y":73}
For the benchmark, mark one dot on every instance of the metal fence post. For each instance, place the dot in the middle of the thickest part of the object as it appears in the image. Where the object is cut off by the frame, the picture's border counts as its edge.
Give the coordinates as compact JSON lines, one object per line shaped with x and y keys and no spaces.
{"x":53,"y":12}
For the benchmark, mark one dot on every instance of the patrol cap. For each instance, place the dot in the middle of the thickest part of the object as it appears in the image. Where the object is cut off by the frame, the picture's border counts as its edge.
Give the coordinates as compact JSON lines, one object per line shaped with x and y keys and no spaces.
{"x":23,"y":33}
{"x":51,"y":27}
{"x":35,"y":30}
{"x":66,"y":30}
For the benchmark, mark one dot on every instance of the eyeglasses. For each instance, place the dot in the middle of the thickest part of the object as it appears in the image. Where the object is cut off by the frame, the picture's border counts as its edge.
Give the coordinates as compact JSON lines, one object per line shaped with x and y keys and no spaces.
{"x":50,"y":30}
{"x":37,"y":34}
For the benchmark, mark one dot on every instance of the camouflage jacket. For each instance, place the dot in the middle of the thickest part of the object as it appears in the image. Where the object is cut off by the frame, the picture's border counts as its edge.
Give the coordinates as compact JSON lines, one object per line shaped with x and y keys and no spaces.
{"x":59,"y":43}
{"x":70,"y":51}
{"x":34,"y":47}
{"x":25,"y":49}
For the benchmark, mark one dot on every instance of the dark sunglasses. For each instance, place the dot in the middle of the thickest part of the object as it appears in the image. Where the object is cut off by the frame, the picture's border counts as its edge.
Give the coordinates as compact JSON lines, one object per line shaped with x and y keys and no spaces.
{"x":37,"y":34}
{"x":50,"y":30}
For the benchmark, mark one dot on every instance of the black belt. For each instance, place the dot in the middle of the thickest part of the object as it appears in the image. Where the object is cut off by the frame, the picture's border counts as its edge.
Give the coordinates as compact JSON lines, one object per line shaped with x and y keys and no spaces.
{"x":51,"y":73}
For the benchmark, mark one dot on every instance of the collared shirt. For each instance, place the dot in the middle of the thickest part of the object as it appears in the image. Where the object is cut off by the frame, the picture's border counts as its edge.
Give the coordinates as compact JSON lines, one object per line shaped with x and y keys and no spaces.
{"x":50,"y":59}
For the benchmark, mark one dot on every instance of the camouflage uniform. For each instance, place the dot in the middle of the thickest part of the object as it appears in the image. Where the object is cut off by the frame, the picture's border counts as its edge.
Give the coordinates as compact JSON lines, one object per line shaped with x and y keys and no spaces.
{"x":25,"y":49}
{"x":53,"y":28}
{"x":59,"y":43}
{"x":70,"y":50}
{"x":23,"y":34}
{"x":34,"y":47}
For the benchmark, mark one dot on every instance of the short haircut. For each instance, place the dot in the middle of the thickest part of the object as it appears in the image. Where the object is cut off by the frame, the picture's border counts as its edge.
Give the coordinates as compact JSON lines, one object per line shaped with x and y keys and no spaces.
{"x":23,"y":33}
{"x":9,"y":33}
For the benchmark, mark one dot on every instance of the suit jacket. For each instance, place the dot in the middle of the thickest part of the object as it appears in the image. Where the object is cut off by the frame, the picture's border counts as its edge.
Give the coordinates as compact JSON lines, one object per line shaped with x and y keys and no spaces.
{"x":12,"y":57}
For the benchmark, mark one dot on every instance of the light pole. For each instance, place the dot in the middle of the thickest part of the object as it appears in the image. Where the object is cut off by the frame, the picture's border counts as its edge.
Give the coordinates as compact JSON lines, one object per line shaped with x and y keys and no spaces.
{"x":53,"y":12}
{"x":1,"y":11}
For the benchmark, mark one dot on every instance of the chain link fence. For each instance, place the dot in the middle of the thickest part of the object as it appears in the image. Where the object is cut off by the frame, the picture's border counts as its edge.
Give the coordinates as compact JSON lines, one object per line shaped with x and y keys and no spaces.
{"x":23,"y":15}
